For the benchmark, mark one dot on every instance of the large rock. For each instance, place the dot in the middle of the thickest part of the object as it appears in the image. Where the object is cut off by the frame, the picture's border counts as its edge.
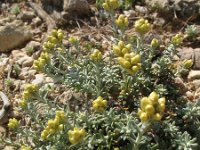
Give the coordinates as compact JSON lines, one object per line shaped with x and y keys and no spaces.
{"x":12,"y":37}
{"x":184,"y":8}
{"x":196,"y":58}
{"x":190,"y":53}
{"x":26,"y":15}
{"x":194,"y":74}
{"x":76,"y":7}
{"x":67,"y":7}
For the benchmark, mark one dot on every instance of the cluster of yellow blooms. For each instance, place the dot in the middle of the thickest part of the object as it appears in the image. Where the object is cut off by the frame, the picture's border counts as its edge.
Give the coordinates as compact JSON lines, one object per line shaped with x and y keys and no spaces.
{"x":110,"y":5}
{"x":142,"y":26}
{"x":76,"y":135}
{"x":42,"y":61}
{"x":121,"y":22}
{"x":154,"y":43}
{"x":13,"y":123}
{"x":151,"y":108}
{"x":96,"y":55}
{"x":54,"y":125}
{"x":187,"y":63}
{"x":23,"y":147}
{"x":128,"y":60}
{"x":99,"y":104}
{"x":73,"y":39}
{"x":177,"y":39}
{"x":55,"y":39}
{"x":29,"y":91}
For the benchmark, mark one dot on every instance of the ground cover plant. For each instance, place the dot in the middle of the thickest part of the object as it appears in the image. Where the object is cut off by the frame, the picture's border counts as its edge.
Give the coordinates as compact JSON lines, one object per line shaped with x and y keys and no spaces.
{"x":129,"y":98}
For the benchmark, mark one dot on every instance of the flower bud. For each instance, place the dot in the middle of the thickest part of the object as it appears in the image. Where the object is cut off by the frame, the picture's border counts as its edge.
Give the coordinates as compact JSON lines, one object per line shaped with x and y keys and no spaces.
{"x":13,"y":123}
{"x":144,"y":102}
{"x":149,"y":109}
{"x":154,"y":43}
{"x":136,"y":59}
{"x":187,"y":63}
{"x":157,"y":117}
{"x":143,"y":117}
{"x":153,"y":97}
{"x":135,"y":68}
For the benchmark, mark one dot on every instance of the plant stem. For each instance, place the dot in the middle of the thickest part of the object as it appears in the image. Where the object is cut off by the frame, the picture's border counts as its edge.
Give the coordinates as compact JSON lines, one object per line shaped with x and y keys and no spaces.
{"x":141,"y":132}
{"x":98,"y":78}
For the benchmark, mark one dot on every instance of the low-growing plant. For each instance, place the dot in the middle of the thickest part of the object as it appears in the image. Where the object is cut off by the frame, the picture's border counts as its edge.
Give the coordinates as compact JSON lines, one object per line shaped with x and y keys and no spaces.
{"x":29,"y":50}
{"x":191,"y":31}
{"x":15,"y":10}
{"x":129,"y":97}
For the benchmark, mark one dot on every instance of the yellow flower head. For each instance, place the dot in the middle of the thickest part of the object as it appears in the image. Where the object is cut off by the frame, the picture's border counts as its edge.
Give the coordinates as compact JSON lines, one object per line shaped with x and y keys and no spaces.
{"x":23,"y":103}
{"x":153,"y":97}
{"x":44,"y":134}
{"x":73,"y":39}
{"x":187,"y":63}
{"x":29,"y":91}
{"x":42,"y":61}
{"x":96,"y":55}
{"x":121,"y":49}
{"x":13,"y":123}
{"x":76,"y":135}
{"x":177,"y":39}
{"x":154,"y":43}
{"x":110,"y":5}
{"x":130,"y":61}
{"x":121,"y":22}
{"x":142,"y":26}
{"x":99,"y":104}
{"x":54,"y":125}
{"x":53,"y":40}
{"x":23,"y":147}
{"x":151,"y":108}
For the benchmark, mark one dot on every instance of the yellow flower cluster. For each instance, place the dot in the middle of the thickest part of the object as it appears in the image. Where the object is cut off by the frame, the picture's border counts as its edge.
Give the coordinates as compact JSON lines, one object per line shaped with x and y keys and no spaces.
{"x":128,"y":60}
{"x":154,"y":43}
{"x":96,"y":55}
{"x":54,"y":40}
{"x":54,"y":125}
{"x":121,"y":22}
{"x":177,"y":39}
{"x":151,"y":108}
{"x":42,"y":61}
{"x":23,"y":103}
{"x":76,"y":135}
{"x":187,"y":63}
{"x":13,"y":123}
{"x":142,"y":26}
{"x":99,"y":104}
{"x":121,"y":49}
{"x":23,"y":147}
{"x":110,"y":5}
{"x":29,"y":90}
{"x":73,"y":39}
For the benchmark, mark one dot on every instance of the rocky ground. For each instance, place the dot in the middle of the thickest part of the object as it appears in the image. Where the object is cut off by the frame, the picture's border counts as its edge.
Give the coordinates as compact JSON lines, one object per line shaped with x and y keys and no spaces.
{"x":24,"y":26}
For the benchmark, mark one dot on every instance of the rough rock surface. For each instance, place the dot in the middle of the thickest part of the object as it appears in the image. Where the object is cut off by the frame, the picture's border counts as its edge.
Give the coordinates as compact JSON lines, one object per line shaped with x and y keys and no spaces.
{"x":77,"y":7}
{"x":184,"y":8}
{"x":26,"y":15}
{"x":12,"y":37}
{"x":194,"y":74}
{"x":190,"y":53}
{"x":68,"y":7}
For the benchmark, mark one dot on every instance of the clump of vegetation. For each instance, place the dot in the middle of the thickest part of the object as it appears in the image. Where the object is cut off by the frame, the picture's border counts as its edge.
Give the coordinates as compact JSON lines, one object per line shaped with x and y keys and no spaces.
{"x":191,"y":31}
{"x":129,"y":97}
{"x":15,"y":10}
